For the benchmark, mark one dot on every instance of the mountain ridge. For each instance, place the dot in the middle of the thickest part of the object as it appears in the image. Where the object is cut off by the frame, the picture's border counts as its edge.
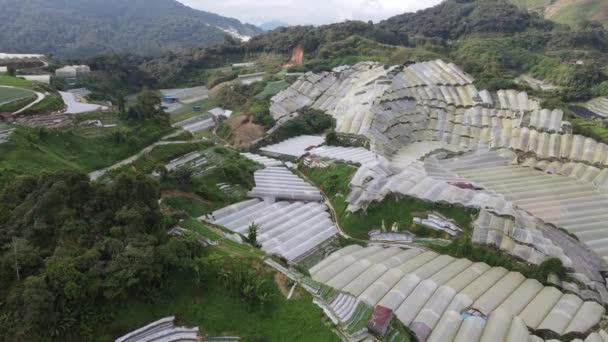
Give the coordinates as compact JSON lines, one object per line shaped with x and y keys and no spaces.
{"x":72,"y":29}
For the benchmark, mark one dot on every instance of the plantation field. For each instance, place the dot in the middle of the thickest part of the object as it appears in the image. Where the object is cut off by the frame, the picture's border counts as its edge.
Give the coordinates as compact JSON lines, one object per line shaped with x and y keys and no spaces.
{"x":12,"y":94}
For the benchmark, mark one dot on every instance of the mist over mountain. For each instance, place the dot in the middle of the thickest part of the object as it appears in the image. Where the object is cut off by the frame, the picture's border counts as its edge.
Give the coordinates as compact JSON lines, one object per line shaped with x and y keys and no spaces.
{"x":273,"y":24}
{"x":77,"y":28}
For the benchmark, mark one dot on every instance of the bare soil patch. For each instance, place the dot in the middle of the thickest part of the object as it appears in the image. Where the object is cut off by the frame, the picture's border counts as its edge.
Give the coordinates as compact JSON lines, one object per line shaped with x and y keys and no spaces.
{"x":297,"y":57}
{"x":282,"y":283}
{"x":244,"y":130}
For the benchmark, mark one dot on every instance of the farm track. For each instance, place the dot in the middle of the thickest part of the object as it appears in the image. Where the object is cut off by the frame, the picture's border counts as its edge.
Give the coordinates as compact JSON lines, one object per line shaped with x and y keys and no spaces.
{"x":39,"y":98}
{"x":99,"y":173}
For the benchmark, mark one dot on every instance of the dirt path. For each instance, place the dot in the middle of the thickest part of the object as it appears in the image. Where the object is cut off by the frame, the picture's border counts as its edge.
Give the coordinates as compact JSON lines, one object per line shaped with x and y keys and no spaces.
{"x":334,"y":214}
{"x":99,"y":173}
{"x":39,"y":98}
{"x":281,"y":281}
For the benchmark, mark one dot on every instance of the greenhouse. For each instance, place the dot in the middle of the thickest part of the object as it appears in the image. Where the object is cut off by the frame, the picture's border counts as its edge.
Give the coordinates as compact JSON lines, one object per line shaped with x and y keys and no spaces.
{"x":290,"y":229}
{"x":294,"y":147}
{"x":263,"y":160}
{"x":275,"y":183}
{"x":435,"y":294}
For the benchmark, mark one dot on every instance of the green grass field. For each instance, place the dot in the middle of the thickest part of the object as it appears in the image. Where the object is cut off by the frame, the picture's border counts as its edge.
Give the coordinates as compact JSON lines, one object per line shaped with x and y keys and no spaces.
{"x":12,"y":94}
{"x":590,"y":128}
{"x":15,"y":82}
{"x":162,"y":154}
{"x":52,"y":102}
{"x":34,"y":151}
{"x":218,"y":312}
{"x":334,"y":182}
{"x":189,"y":205}
{"x":186,"y":112}
{"x":271,"y":89}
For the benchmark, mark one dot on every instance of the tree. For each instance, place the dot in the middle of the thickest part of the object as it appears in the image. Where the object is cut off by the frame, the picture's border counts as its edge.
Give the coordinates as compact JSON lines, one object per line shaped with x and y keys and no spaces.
{"x":148,"y":106}
{"x":80,"y":247}
{"x":37,"y":302}
{"x":252,"y":235}
{"x":121,"y":103}
{"x":11,"y":71}
{"x":331,"y":139}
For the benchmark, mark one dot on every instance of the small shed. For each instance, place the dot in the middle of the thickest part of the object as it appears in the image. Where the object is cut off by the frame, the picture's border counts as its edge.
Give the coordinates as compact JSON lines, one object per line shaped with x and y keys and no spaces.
{"x":220,"y":112}
{"x":380,"y":320}
{"x":3,"y":70}
{"x":66,"y":72}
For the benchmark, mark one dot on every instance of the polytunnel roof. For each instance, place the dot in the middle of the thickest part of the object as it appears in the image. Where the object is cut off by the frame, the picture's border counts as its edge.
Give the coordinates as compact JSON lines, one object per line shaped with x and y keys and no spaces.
{"x":295,"y":147}
{"x":433,"y":294}
{"x":291,"y":230}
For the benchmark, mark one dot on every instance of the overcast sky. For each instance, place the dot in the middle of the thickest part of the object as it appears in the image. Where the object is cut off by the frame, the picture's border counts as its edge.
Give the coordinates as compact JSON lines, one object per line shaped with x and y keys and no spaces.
{"x":309,"y":11}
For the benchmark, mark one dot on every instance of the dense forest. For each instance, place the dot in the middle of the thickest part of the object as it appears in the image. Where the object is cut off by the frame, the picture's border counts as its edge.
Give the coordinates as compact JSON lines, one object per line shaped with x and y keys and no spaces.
{"x":493,"y":40}
{"x":68,"y":28}
{"x":71,"y":250}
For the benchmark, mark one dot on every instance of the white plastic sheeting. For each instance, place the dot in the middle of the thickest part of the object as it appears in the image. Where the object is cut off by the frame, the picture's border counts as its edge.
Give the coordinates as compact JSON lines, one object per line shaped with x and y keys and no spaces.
{"x":567,"y":202}
{"x":295,"y":147}
{"x":357,"y":155}
{"x":163,"y":330}
{"x":196,"y":124}
{"x":430,"y":293}
{"x":275,"y":183}
{"x":268,"y":162}
{"x":517,"y":236}
{"x":289,"y":229}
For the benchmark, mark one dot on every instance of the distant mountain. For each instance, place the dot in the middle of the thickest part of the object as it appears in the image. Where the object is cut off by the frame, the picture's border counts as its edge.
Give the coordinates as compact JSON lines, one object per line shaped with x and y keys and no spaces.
{"x":77,"y":28}
{"x":571,"y":12}
{"x":273,"y":24}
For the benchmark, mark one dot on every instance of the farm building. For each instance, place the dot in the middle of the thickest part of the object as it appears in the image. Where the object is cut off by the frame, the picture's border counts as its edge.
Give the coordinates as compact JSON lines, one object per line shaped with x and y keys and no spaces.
{"x":220,"y":112}
{"x":72,"y":71}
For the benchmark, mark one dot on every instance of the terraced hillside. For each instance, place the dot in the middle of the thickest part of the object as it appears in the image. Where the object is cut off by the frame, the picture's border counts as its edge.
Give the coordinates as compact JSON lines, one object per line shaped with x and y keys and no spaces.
{"x":440,"y":139}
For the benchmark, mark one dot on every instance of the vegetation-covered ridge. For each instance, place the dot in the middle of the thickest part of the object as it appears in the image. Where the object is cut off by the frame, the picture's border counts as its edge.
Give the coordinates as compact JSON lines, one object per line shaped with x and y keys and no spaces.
{"x":493,"y":40}
{"x":571,"y":12}
{"x":90,"y":27}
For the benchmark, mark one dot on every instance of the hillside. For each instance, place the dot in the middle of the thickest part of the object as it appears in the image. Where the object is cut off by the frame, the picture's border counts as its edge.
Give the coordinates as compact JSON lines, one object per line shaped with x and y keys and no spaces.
{"x":69,"y":28}
{"x":571,"y":12}
{"x":493,"y":40}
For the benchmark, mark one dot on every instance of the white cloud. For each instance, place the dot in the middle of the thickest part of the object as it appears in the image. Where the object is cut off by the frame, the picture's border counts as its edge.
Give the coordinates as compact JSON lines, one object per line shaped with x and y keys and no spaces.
{"x":309,"y":11}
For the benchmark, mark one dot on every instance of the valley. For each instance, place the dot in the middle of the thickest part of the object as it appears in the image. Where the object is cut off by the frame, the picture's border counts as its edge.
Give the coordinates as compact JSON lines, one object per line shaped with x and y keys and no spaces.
{"x":438,"y":176}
